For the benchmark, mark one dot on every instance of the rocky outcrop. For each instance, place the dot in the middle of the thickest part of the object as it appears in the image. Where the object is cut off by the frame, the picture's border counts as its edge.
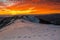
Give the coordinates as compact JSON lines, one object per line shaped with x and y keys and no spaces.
{"x":45,"y":19}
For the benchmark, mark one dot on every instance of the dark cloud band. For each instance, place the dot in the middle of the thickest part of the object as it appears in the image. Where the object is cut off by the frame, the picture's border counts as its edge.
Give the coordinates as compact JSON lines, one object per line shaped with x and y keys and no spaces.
{"x":56,"y":1}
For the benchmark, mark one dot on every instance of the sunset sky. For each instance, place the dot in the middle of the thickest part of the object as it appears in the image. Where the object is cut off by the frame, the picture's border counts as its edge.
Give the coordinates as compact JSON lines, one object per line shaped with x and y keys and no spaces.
{"x":34,"y":6}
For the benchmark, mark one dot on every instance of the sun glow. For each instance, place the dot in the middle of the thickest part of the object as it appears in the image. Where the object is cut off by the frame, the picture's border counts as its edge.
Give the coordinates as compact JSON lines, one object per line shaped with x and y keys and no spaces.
{"x":16,"y":12}
{"x":35,"y":7}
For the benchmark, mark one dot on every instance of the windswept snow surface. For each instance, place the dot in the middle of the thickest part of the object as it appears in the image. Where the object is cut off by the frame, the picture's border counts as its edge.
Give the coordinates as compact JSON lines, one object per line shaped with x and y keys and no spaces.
{"x":25,"y":30}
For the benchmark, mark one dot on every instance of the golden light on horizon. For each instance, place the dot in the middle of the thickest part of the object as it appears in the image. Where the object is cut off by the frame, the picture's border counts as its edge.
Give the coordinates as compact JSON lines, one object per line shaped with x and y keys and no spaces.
{"x":28,"y":8}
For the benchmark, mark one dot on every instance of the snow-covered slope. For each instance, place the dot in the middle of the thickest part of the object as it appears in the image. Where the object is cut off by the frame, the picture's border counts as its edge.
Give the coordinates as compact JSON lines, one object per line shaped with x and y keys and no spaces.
{"x":25,"y":30}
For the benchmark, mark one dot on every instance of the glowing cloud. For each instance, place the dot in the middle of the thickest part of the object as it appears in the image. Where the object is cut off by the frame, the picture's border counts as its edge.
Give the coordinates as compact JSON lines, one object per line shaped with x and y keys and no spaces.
{"x":19,"y":7}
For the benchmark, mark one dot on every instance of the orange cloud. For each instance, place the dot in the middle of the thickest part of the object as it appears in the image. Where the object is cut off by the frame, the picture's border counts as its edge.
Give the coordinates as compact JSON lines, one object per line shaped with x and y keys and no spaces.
{"x":41,"y":6}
